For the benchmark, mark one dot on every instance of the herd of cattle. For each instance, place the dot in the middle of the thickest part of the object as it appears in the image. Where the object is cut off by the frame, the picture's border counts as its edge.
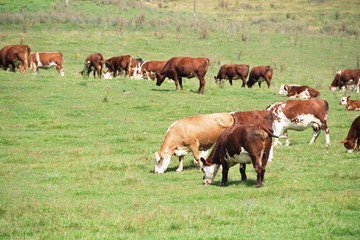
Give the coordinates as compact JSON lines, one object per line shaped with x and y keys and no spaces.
{"x":237,"y":137}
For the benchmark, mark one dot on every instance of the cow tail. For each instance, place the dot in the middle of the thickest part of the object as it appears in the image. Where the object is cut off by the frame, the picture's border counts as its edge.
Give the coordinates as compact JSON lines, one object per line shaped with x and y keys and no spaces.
{"x":326,"y":105}
{"x":269,"y":131}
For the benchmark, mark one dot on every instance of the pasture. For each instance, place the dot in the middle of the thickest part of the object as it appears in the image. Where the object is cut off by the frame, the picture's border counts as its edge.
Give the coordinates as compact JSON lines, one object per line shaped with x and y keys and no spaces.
{"x":77,"y":154}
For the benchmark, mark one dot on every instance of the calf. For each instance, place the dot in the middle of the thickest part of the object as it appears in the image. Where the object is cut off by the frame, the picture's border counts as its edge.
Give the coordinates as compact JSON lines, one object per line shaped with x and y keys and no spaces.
{"x":15,"y":56}
{"x":47,"y":60}
{"x":346,"y":77}
{"x":116,"y":64}
{"x":233,"y":71}
{"x":94,"y":62}
{"x":149,"y":69}
{"x":260,"y":74}
{"x":352,"y":141}
{"x":351,"y":105}
{"x":300,"y":115}
{"x":178,"y":67}
{"x":242,"y":144}
{"x":296,"y":91}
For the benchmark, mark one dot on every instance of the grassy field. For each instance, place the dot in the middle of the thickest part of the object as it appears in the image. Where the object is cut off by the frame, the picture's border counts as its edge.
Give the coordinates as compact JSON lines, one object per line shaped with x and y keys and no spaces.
{"x":77,"y":154}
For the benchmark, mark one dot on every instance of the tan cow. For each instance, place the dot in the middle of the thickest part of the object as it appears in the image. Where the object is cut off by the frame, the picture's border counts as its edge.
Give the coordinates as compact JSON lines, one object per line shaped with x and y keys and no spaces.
{"x":47,"y":60}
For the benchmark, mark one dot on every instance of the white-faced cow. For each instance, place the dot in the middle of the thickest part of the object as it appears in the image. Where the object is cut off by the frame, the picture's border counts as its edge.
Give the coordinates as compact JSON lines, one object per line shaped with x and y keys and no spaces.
{"x":178,"y":67}
{"x":296,"y":91}
{"x":15,"y":56}
{"x":243,"y":144}
{"x":346,"y":77}
{"x":352,"y":141}
{"x":233,"y":72}
{"x":300,"y":115}
{"x":259,"y":74}
{"x":351,"y":105}
{"x":150,"y":68}
{"x":197,"y":134}
{"x":117,"y":64}
{"x":94,"y":62}
{"x":47,"y":60}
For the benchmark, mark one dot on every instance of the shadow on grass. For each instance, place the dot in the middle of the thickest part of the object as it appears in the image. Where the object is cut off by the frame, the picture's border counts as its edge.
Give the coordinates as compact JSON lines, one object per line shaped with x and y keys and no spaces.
{"x":247,"y":183}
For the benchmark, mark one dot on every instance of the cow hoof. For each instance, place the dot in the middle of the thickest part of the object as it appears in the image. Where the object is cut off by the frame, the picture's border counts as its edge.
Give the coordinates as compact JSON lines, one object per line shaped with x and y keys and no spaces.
{"x":179,"y":170}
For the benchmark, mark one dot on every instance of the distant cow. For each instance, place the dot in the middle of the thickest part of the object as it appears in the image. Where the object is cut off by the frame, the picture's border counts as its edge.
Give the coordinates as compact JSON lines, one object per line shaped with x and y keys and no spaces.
{"x":135,"y":67}
{"x":47,"y":60}
{"x":15,"y":56}
{"x":346,"y":77}
{"x":260,"y":74}
{"x":116,"y":64}
{"x":296,"y":91}
{"x":197,"y":134}
{"x":352,"y":141}
{"x":242,"y":144}
{"x":300,"y":115}
{"x":351,"y":105}
{"x":94,"y":62}
{"x":233,"y":71}
{"x":178,"y":67}
{"x":150,"y":68}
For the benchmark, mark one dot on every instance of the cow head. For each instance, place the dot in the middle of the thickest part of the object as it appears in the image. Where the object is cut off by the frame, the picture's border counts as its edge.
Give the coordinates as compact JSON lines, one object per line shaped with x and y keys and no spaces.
{"x":283,"y":89}
{"x":344,"y":100}
{"x":159,"y":79}
{"x":350,"y":144}
{"x":210,"y":170}
{"x":161,"y":162}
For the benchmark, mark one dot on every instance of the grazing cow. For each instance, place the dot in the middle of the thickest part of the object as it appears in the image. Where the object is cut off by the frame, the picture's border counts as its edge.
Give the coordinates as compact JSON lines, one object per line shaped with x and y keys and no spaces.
{"x":150,"y":68}
{"x":15,"y":56}
{"x":119,"y":63}
{"x":260,"y":74}
{"x":46,"y":60}
{"x":178,"y":67}
{"x":242,"y":144}
{"x":199,"y":133}
{"x":233,"y":71}
{"x":346,"y":77}
{"x":300,"y":115}
{"x":352,"y":140}
{"x":296,"y":91}
{"x":351,"y":105}
{"x":135,"y":67}
{"x":94,"y":62}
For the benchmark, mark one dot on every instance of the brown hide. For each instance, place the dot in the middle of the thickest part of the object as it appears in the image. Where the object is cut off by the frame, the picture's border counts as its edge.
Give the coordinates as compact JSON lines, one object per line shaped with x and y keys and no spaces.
{"x":343,"y":77}
{"x":352,"y":141}
{"x":94,"y":62}
{"x":44,"y":59}
{"x":150,"y":68}
{"x":15,"y":55}
{"x":178,"y":67}
{"x":233,"y":71}
{"x":258,"y":73}
{"x":295,"y":91}
{"x":119,"y":63}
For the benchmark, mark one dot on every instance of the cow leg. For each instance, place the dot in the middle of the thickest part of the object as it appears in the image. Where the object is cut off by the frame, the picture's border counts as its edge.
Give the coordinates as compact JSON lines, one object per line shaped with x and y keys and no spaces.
{"x":259,"y":84}
{"x":244,"y":82}
{"x":286,"y":136}
{"x":230,"y":81}
{"x":225,"y":172}
{"x":202,"y":85}
{"x":243,"y":172}
{"x":195,"y":151}
{"x":268,"y":83}
{"x":181,"y":164}
{"x":180,"y":83}
{"x":316,"y":129}
{"x":257,"y":163}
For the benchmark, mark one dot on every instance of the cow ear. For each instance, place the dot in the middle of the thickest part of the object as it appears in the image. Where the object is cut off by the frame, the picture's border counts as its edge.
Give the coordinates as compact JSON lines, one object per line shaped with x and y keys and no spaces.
{"x":286,"y":87}
{"x":203,"y":160}
{"x":348,"y":98}
{"x":344,"y":141}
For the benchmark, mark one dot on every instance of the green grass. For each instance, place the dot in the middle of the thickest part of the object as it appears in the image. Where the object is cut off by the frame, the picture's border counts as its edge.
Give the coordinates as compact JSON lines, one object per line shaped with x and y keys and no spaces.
{"x":73,"y":165}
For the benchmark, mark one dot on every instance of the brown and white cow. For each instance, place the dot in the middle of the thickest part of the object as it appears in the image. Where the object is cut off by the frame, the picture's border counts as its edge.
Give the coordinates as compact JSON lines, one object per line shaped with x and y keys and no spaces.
{"x":352,"y":141}
{"x":259,"y":74}
{"x":346,"y":77}
{"x":300,"y":115}
{"x":243,"y":144}
{"x":351,"y":105}
{"x":178,"y":67}
{"x":197,"y":134}
{"x":135,"y":67}
{"x":296,"y":91}
{"x":233,"y":71}
{"x":15,"y":56}
{"x":94,"y":62}
{"x":150,"y":68}
{"x":116,"y":64}
{"x":47,"y":60}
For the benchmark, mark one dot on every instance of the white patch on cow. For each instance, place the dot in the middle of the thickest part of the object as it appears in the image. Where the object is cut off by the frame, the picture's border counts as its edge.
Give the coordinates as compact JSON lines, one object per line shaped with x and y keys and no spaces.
{"x":210,"y":173}
{"x":161,"y":164}
{"x":243,"y":158}
{"x":181,"y":151}
{"x":343,"y":101}
{"x":282,"y":90}
{"x":107,"y":75}
{"x":339,"y":72}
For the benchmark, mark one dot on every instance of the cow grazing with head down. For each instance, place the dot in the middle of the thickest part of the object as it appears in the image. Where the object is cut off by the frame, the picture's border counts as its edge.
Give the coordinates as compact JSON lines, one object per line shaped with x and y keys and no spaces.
{"x":15,"y":56}
{"x":296,"y":91}
{"x":117,"y":64}
{"x":94,"y":62}
{"x":233,"y":71}
{"x":259,"y":74}
{"x":197,"y":134}
{"x":352,"y":141}
{"x":300,"y":115}
{"x":345,"y":78}
{"x":149,"y":69}
{"x":243,"y":144}
{"x":178,"y":67}
{"x":47,"y":60}
{"x":351,"y":105}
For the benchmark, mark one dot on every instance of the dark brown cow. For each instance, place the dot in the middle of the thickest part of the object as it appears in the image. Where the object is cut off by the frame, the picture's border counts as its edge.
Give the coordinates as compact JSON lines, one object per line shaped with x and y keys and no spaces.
{"x":296,"y":91}
{"x":178,"y":67}
{"x":233,"y":71}
{"x":15,"y":55}
{"x":260,"y":74}
{"x":119,"y":63}
{"x":47,"y":60}
{"x":94,"y":62}
{"x":242,"y":144}
{"x":352,"y":141}
{"x":346,"y":77}
{"x":150,"y":68}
